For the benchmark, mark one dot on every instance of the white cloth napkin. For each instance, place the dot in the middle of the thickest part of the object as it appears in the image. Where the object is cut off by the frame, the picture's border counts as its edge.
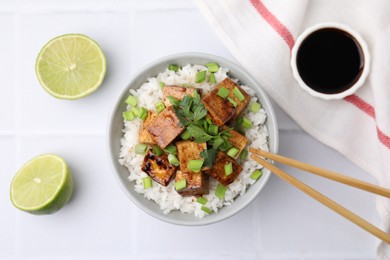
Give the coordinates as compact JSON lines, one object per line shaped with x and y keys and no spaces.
{"x":260,"y":35}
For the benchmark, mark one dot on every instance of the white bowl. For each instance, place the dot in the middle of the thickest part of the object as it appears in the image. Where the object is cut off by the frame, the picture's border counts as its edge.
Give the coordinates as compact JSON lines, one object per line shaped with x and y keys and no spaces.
{"x":114,"y":134}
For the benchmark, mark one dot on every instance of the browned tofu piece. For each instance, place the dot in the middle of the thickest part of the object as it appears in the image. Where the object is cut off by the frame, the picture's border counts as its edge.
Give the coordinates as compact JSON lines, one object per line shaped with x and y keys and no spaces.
{"x":217,"y":171}
{"x":144,"y":136}
{"x":197,"y":183}
{"x":220,"y":110}
{"x":158,"y":168}
{"x":237,"y":140}
{"x":188,"y":150}
{"x":176,"y":92}
{"x":230,"y":85}
{"x":165,"y":127}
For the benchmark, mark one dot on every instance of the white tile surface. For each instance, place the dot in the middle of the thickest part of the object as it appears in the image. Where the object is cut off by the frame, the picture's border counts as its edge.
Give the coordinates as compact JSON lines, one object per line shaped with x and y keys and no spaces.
{"x":100,"y":222}
{"x":98,"y":217}
{"x":64,"y":116}
{"x":7,"y":94}
{"x":8,"y":228}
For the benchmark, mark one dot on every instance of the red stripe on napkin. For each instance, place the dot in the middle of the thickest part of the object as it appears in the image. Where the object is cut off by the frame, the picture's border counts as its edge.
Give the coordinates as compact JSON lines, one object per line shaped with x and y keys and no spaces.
{"x":289,"y":39}
{"x":370,"y":111}
{"x":274,"y":22}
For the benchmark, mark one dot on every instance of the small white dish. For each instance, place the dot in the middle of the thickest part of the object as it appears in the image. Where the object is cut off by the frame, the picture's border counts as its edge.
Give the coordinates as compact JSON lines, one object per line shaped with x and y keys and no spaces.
{"x":364,"y":50}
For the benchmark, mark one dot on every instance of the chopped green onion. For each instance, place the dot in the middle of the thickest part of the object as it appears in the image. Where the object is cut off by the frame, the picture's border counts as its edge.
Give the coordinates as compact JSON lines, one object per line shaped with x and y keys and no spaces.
{"x":212,"y":78}
{"x":213,"y":129}
{"x":246,"y":123}
{"x":233,"y":152}
{"x":256,"y":174}
{"x":209,"y":121}
{"x":173,"y":67}
{"x":162,"y":84}
{"x":205,"y":125}
{"x":186,"y":85}
{"x":157,"y":150}
{"x":142,"y":113}
{"x":179,"y":185}
{"x":147,"y":182}
{"x":255,"y":107}
{"x":212,"y":66}
{"x":173,"y":160}
{"x":128,"y":115}
{"x":238,"y":94}
{"x":244,"y":154}
{"x":206,"y":209}
{"x":132,"y":100}
{"x":220,"y":191}
{"x":171,"y":149}
{"x":159,"y":106}
{"x":195,"y":165}
{"x":234,"y":103}
{"x":223,"y":92}
{"x":134,"y":110}
{"x":200,"y":76}
{"x":202,"y":200}
{"x":228,"y":169}
{"x":185,"y":135}
{"x":141,"y":149}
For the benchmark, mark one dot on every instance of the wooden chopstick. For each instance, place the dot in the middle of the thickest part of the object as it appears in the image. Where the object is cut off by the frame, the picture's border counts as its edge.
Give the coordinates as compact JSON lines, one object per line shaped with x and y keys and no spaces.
{"x":325,"y":200}
{"x":324,"y":173}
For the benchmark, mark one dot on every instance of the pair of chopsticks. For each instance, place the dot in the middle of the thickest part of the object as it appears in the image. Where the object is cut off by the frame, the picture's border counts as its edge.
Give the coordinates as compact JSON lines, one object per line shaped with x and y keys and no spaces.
{"x":320,"y":197}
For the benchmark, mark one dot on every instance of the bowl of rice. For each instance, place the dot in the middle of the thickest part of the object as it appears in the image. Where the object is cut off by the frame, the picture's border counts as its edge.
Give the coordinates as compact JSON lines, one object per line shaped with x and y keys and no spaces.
{"x":144,"y":96}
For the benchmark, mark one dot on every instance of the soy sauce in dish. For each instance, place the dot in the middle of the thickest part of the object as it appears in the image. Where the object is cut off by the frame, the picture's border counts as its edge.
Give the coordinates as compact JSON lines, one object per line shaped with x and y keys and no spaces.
{"x":330,"y":60}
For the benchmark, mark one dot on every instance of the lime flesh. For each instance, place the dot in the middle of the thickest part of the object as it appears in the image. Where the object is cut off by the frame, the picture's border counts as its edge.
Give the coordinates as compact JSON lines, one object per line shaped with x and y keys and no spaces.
{"x":43,"y":185}
{"x":71,"y":66}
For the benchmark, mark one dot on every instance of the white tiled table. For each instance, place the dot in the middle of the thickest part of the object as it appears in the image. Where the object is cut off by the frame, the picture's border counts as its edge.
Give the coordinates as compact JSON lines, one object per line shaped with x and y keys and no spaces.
{"x":100,"y":222}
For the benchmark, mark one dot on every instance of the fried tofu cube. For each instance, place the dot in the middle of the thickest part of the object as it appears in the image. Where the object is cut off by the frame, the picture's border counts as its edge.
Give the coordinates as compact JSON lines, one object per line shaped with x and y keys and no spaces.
{"x":197,"y":183}
{"x":165,"y":127}
{"x":188,"y":150}
{"x":144,"y":136}
{"x":237,"y":140}
{"x":176,"y":92}
{"x":217,"y":171}
{"x":220,"y":110}
{"x":158,"y":168}
{"x":230,"y":85}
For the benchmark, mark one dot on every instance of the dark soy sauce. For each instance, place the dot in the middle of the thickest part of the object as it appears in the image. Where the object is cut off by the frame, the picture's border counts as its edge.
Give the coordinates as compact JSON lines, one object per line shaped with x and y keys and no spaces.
{"x":330,"y":61}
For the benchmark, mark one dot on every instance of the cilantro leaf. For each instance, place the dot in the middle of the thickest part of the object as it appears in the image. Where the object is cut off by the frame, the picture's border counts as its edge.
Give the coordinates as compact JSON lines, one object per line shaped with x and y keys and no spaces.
{"x":209,"y":156}
{"x":198,"y":133}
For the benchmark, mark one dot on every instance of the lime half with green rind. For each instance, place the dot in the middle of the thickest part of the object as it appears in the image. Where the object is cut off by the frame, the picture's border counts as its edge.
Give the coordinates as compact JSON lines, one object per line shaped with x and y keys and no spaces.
{"x":71,"y":66}
{"x":42,"y":186}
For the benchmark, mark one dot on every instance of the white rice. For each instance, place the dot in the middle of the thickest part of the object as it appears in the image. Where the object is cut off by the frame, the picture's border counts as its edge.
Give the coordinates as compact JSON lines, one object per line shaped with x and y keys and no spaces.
{"x":166,"y":197}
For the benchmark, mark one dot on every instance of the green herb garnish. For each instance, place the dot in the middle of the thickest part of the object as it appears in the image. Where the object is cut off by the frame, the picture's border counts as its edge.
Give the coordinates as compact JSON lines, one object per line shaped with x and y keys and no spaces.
{"x":206,"y":209}
{"x":195,"y":165}
{"x":147,"y":182}
{"x":256,"y":174}
{"x":212,"y":78}
{"x":202,"y":200}
{"x":157,"y":150}
{"x":132,"y":100}
{"x":173,"y":67}
{"x":141,"y":149}
{"x":128,"y":115}
{"x":179,"y":185}
{"x":192,"y":115}
{"x":220,"y":191}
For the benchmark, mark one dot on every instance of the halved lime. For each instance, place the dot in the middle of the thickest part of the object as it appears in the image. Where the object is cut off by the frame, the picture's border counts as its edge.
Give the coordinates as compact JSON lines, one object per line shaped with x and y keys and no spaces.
{"x":43,"y":185}
{"x":71,"y":66}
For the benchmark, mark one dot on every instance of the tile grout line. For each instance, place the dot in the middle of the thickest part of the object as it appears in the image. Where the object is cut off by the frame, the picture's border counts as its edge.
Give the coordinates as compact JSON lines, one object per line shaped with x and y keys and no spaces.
{"x":92,"y":7}
{"x":133,"y":213}
{"x":18,"y":141}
